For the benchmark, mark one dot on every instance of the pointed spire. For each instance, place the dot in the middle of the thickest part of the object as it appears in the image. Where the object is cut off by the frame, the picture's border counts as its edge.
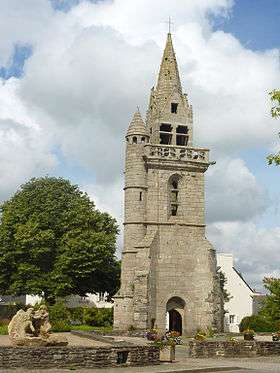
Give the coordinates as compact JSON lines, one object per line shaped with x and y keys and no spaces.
{"x":168,"y":78}
{"x":137,"y":125}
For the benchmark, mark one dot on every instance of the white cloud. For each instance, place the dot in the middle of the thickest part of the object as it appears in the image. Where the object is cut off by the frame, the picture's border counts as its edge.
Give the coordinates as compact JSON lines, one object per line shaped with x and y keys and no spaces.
{"x":256,"y":250}
{"x":25,"y":148}
{"x":23,"y":153}
{"x":142,"y":20}
{"x":109,"y":198}
{"x":232,"y":192}
{"x":89,"y":90}
{"x":229,"y":87}
{"x":94,"y":64}
{"x":22,"y":22}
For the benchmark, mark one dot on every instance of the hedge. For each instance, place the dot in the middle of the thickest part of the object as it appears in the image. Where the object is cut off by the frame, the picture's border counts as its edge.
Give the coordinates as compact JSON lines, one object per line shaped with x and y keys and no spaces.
{"x":64,"y":319}
{"x":258,"y":323}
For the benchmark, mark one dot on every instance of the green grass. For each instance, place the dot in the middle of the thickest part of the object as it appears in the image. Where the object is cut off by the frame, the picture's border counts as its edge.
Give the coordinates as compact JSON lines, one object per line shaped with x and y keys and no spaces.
{"x":67,"y":328}
{"x":88,"y":328}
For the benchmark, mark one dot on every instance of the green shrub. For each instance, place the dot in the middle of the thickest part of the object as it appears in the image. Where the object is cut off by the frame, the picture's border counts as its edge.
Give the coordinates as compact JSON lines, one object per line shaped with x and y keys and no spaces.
{"x":107,"y":316}
{"x":7,"y":311}
{"x":64,"y":319}
{"x":61,"y":326}
{"x":59,"y":313}
{"x":77,"y":315}
{"x":90,"y":316}
{"x":98,"y":316}
{"x":3,"y":329}
{"x":209,"y":332}
{"x":258,"y":323}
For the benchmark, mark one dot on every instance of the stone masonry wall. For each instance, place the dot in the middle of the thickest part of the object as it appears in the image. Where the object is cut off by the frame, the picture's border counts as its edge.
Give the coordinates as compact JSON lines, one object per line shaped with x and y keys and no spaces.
{"x":77,"y":357}
{"x":233,"y":349}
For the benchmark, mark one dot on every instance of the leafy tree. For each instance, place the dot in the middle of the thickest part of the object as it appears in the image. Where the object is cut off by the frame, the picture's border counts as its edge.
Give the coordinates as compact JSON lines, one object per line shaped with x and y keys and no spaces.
{"x":275,"y":112}
{"x":53,"y":242}
{"x":223,"y":281}
{"x":271,"y":306}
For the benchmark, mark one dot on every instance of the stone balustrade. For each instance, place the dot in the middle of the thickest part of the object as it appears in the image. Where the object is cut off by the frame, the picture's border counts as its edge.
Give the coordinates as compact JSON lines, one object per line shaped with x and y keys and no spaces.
{"x":177,"y":153}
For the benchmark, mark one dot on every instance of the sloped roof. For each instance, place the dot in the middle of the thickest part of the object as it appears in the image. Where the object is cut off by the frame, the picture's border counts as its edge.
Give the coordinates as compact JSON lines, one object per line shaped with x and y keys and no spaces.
{"x":137,"y":125}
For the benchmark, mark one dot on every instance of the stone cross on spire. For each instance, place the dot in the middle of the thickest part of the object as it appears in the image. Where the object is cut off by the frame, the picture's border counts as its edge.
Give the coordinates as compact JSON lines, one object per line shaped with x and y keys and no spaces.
{"x":169,"y":22}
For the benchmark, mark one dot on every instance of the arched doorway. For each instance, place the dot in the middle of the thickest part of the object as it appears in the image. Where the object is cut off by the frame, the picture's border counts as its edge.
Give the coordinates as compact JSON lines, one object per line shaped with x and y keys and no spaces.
{"x":175,"y":321}
{"x":175,"y":314}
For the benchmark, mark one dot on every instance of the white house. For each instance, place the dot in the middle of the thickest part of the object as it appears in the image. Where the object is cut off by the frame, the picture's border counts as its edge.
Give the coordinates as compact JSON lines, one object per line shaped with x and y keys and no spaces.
{"x":242,"y":295}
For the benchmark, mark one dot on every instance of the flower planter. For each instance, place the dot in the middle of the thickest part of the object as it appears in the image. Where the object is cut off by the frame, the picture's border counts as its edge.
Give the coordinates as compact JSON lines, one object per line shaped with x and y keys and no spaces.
{"x":167,"y":354}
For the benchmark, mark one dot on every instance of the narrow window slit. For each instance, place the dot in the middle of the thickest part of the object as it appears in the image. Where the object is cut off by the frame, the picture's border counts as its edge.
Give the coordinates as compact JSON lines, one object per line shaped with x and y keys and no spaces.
{"x":174,"y":107}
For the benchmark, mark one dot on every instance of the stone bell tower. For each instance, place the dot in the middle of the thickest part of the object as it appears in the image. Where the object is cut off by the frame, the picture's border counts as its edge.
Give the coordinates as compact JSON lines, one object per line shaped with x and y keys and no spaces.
{"x":169,"y":275}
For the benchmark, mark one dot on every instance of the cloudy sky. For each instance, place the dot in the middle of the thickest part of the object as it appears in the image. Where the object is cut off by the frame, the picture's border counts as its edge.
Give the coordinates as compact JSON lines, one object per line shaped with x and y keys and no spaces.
{"x":73,"y":71}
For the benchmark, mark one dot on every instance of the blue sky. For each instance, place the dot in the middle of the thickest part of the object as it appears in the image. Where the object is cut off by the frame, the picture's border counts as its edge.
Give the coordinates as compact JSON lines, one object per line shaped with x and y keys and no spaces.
{"x":15,"y":65}
{"x":254,"y":22}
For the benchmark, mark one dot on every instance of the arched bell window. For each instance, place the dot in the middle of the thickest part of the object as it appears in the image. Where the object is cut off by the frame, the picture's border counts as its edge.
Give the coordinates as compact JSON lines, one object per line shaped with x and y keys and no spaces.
{"x":174,"y":195}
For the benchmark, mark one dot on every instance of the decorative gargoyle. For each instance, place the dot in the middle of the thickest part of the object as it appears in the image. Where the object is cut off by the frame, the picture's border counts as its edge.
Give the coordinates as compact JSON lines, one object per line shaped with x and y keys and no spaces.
{"x":32,"y":328}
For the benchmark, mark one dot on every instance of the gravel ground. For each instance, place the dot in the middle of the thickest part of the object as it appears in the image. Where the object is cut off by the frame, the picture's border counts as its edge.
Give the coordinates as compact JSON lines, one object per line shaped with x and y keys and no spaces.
{"x":73,"y":340}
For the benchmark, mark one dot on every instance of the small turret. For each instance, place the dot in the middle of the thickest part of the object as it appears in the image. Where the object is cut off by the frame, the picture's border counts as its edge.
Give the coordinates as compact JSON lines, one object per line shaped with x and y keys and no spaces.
{"x":135,"y":196}
{"x":135,"y":182}
{"x":137,"y":131}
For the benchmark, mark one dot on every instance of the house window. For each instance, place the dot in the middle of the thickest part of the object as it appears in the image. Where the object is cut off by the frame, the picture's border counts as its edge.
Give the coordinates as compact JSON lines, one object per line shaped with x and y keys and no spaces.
{"x":140,"y":196}
{"x":134,"y":140}
{"x":231,"y":319}
{"x":165,"y":133}
{"x":174,"y":107}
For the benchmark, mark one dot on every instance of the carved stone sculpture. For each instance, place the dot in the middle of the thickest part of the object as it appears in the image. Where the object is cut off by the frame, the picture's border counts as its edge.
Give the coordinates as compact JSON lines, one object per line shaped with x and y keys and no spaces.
{"x":41,"y":322}
{"x":32,"y":328}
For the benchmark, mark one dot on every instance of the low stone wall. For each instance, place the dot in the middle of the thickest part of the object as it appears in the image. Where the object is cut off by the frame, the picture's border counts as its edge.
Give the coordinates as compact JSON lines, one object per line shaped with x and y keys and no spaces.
{"x":77,"y":357}
{"x":233,"y":349}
